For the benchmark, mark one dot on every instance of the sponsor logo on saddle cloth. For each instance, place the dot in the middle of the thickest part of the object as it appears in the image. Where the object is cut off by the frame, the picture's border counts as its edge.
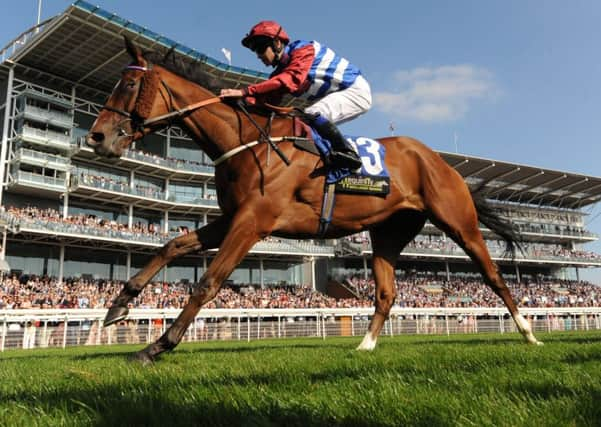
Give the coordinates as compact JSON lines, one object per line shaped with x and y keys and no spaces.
{"x":373,"y":176}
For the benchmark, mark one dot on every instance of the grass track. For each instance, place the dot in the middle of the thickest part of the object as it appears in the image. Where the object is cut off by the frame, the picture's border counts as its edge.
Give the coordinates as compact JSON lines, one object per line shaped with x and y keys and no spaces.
{"x":467,"y":380}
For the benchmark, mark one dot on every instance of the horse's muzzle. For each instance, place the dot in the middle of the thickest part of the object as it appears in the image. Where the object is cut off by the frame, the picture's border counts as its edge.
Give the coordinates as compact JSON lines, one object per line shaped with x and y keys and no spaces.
{"x":93,"y":139}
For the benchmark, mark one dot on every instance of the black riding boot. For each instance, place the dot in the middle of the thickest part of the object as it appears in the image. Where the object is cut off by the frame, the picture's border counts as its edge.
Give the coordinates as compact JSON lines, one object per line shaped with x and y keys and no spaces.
{"x":342,"y":155}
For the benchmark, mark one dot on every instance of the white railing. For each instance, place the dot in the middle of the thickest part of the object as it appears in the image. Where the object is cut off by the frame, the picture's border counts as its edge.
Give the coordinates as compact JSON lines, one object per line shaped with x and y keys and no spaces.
{"x":21,"y":177}
{"x":45,"y":115}
{"x":41,"y":158}
{"x":72,"y":327}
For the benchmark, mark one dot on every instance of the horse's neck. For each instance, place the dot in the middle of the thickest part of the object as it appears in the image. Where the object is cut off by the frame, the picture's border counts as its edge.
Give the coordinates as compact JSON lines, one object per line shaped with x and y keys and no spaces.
{"x":212,"y":126}
{"x":218,"y":128}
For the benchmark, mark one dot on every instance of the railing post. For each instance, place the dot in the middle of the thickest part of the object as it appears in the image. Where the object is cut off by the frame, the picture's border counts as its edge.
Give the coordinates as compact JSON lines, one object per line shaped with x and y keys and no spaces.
{"x":45,"y":335}
{"x":4,"y":328}
{"x":65,"y":331}
{"x":446,"y":320}
{"x":194,"y":329}
{"x":149,"y":331}
{"x":99,"y":333}
{"x":239,"y":325}
{"x":279,"y":327}
{"x":247,"y":327}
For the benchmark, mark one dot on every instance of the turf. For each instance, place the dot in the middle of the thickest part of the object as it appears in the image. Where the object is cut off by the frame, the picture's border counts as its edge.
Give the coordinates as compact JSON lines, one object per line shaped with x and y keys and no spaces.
{"x":464,"y":380}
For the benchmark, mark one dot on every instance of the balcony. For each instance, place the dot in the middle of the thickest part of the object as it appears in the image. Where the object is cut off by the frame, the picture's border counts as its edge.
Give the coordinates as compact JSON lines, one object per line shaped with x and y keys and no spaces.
{"x":46,"y":138}
{"x":114,"y":190}
{"x":62,"y":229}
{"x":41,"y":159}
{"x":42,"y":115}
{"x":36,"y":184}
{"x":150,"y":165}
{"x":450,"y":251}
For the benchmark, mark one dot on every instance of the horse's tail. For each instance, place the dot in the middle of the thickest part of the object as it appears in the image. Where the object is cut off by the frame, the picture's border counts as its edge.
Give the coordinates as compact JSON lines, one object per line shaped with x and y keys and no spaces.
{"x":490,"y":218}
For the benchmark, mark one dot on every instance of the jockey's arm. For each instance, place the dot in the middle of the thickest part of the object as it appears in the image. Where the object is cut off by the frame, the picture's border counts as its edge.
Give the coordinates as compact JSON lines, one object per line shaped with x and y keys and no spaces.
{"x":288,"y":79}
{"x":292,"y":78}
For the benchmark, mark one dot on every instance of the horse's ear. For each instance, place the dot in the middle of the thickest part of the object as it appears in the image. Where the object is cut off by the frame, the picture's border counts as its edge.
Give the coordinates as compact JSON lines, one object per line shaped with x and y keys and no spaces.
{"x":170,"y":55}
{"x":134,"y":51}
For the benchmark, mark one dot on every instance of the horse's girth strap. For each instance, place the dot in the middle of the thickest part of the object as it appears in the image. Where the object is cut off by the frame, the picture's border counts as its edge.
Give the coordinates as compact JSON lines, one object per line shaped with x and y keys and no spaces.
{"x":327,"y":208}
{"x":243,"y":147}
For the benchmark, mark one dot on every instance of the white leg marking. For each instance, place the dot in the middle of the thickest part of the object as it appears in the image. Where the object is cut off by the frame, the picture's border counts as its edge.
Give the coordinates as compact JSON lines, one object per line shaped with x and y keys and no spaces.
{"x":526,"y":330}
{"x":368,"y":343}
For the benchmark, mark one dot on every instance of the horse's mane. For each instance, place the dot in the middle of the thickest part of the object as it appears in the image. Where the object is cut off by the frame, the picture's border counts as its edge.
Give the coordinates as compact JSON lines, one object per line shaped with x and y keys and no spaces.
{"x":195,"y":71}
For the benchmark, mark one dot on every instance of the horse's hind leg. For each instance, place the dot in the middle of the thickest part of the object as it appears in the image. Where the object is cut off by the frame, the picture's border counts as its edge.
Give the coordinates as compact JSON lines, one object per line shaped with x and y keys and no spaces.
{"x":464,"y":230}
{"x":387,"y":241}
{"x":207,"y":237}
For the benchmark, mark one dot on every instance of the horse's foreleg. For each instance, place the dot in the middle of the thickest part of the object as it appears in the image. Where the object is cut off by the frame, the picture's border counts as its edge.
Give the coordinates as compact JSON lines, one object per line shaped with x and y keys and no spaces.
{"x":207,"y":237}
{"x":387,"y":243}
{"x":239,"y":240}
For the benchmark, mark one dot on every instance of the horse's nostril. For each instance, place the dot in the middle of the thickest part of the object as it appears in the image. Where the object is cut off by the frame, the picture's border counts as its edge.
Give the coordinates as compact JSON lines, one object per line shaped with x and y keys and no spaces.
{"x":94,"y":138}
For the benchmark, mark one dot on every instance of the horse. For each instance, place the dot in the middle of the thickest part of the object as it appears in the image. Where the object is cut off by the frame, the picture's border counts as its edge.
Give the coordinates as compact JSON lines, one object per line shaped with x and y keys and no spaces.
{"x":260,"y":198}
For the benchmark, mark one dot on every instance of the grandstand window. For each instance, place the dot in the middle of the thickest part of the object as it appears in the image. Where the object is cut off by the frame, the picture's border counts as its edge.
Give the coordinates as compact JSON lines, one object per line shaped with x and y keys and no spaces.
{"x":185,"y":150}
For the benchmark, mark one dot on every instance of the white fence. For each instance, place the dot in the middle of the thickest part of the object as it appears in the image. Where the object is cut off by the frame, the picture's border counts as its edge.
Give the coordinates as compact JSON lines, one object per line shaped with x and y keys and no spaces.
{"x":74,"y":327}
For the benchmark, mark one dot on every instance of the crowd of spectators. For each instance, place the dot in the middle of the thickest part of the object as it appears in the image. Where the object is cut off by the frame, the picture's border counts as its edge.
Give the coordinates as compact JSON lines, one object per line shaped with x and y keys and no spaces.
{"x":86,"y":223}
{"x":415,"y":291}
{"x":89,"y":224}
{"x":440,"y":244}
{"x":431,"y":291}
{"x":171,"y":162}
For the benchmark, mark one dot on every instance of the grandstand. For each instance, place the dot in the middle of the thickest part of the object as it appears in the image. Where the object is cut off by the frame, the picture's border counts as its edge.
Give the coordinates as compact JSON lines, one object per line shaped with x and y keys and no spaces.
{"x":66,"y":212}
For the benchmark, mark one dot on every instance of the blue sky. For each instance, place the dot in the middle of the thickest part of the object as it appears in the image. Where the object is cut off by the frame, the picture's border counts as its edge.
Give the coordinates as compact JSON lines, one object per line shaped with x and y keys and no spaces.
{"x":512,"y":80}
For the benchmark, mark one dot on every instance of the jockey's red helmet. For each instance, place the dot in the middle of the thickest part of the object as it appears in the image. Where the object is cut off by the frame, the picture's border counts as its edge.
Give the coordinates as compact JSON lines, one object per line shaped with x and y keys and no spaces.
{"x":269,"y":29}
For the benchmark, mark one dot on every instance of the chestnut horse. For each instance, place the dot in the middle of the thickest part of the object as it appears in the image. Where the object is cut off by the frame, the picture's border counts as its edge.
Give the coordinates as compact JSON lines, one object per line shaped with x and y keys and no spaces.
{"x":259,"y":198}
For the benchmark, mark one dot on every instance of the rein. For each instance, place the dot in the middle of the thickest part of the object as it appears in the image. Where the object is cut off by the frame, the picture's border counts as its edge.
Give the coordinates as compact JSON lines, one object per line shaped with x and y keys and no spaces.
{"x":263,"y":135}
{"x":182,"y":111}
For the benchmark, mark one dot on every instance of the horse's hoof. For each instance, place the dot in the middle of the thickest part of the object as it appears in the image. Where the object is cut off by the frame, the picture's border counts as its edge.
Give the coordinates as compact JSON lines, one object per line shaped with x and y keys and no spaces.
{"x":142,"y":357}
{"x":115,"y":314}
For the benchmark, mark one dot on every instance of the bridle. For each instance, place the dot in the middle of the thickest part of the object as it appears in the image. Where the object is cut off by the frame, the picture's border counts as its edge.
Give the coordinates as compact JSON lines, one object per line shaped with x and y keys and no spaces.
{"x":139,"y":123}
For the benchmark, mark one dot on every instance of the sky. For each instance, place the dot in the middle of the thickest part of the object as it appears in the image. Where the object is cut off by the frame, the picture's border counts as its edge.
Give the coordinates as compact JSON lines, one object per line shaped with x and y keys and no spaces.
{"x":510,"y":80}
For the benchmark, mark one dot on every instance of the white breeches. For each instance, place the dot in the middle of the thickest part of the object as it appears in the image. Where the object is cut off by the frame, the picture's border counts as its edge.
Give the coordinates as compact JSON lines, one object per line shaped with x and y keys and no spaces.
{"x":344,"y":105}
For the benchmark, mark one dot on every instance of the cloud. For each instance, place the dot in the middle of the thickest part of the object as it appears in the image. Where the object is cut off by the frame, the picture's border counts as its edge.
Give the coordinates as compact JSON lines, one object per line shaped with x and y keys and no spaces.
{"x":437,"y":94}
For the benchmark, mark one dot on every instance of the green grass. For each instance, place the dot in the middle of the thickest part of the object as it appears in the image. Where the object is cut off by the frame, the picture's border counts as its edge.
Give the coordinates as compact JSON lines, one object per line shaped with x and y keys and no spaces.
{"x":468,"y":380}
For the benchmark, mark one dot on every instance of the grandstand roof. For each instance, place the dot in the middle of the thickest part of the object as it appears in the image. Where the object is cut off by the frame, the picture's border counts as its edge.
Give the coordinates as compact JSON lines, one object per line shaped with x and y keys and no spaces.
{"x":84,"y":44}
{"x":512,"y":182}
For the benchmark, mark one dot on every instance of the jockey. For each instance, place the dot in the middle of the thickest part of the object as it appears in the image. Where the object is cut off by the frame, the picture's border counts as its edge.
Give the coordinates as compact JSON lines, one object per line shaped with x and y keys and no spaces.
{"x":315,"y":72}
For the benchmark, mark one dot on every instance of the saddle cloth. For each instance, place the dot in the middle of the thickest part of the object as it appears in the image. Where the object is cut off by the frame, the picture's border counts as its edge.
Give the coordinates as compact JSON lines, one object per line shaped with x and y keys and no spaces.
{"x":372,"y":178}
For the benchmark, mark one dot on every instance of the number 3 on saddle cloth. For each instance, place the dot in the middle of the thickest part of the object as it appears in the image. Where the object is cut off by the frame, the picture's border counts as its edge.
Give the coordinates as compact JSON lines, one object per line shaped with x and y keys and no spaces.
{"x":373,"y":176}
